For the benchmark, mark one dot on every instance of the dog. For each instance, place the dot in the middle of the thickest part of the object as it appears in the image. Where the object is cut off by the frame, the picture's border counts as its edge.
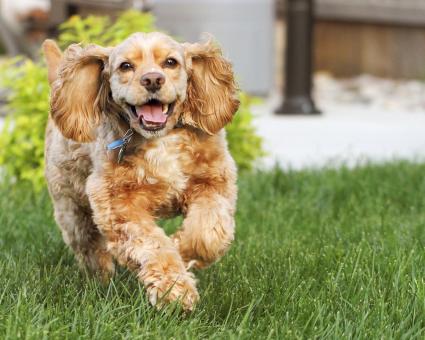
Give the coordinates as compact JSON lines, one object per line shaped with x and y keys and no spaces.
{"x":135,"y":133}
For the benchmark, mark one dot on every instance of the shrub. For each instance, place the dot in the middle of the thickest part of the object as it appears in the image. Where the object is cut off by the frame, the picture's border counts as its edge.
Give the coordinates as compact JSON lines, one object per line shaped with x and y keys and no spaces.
{"x":244,"y":144}
{"x":100,"y":30}
{"x":22,"y":137}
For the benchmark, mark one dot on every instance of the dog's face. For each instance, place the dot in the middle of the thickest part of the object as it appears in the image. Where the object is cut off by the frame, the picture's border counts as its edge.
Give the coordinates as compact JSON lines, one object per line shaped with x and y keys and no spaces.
{"x":148,"y":79}
{"x":152,"y":80}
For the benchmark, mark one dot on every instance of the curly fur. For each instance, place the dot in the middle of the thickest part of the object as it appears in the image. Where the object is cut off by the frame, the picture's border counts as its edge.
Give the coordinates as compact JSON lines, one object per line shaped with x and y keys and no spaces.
{"x":107,"y":211}
{"x":211,"y":101}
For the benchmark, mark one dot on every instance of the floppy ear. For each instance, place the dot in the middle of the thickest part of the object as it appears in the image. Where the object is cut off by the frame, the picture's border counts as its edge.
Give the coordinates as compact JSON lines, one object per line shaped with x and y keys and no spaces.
{"x":80,"y":91}
{"x":211,"y":98}
{"x":53,"y":56}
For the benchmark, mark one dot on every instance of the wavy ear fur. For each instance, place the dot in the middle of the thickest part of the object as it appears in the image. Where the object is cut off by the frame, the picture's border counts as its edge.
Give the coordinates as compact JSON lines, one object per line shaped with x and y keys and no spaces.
{"x":211,"y":98}
{"x":80,"y":91}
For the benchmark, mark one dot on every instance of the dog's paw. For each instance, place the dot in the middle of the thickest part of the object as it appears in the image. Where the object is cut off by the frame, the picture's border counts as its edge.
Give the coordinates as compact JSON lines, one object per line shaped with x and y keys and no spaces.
{"x":180,"y":288}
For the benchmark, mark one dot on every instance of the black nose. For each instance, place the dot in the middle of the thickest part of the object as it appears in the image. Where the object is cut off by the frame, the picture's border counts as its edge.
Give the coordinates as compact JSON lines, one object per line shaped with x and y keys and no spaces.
{"x":152,"y":81}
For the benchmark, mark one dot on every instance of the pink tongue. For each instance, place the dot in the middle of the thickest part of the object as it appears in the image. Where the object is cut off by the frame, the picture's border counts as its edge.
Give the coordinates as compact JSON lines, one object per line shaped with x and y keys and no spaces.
{"x":151,"y":113}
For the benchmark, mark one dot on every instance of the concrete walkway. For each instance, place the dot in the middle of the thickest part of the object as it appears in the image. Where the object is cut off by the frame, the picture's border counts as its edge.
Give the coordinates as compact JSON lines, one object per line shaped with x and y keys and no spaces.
{"x":349,"y":134}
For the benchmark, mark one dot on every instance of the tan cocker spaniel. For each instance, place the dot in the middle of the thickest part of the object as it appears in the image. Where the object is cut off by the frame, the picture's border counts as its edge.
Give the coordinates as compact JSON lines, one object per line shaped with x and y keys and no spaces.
{"x":136,"y":134}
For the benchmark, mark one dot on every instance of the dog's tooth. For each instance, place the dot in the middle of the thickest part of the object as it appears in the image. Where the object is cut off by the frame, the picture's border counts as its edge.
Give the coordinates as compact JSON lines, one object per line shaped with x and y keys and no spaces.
{"x":164,"y":108}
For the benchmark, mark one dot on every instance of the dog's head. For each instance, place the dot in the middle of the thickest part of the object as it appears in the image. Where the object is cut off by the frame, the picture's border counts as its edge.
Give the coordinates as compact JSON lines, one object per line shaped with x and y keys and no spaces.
{"x":154,"y":81}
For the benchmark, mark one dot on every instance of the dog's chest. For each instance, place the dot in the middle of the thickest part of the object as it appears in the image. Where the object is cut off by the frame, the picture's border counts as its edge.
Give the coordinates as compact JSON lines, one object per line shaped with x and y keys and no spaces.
{"x":163,"y":165}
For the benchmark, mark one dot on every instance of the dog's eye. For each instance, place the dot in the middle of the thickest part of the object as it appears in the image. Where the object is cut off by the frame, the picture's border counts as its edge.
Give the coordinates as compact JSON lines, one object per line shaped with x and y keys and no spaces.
{"x":170,"y":62}
{"x":125,"y":66}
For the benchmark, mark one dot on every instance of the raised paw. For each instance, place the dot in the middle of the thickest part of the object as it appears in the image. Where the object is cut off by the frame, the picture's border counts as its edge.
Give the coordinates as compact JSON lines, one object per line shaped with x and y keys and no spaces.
{"x":179,"y":287}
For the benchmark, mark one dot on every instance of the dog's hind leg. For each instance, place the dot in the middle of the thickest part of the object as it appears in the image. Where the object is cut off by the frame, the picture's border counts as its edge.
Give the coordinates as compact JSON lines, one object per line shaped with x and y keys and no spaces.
{"x":82,"y":236}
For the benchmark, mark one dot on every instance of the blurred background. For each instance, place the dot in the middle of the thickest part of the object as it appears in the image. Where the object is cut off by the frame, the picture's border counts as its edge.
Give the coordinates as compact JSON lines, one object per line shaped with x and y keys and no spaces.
{"x":340,"y":81}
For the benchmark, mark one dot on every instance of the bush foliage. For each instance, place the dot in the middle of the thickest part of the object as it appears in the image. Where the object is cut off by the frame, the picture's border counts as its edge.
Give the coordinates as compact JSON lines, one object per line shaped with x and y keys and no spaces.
{"x":22,"y":137}
{"x":100,"y":30}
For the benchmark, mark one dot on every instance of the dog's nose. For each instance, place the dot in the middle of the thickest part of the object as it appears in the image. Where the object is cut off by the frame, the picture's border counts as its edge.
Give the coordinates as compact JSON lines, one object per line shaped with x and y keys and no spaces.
{"x":152,"y":81}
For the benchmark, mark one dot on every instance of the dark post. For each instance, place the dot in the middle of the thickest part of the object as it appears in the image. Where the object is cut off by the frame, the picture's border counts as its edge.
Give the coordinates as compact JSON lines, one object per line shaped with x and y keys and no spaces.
{"x":298,"y":67}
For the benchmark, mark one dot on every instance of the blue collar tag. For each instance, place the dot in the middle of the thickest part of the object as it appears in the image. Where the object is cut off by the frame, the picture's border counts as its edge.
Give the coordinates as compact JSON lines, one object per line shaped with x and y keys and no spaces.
{"x":121,"y":144}
{"x":115,"y":144}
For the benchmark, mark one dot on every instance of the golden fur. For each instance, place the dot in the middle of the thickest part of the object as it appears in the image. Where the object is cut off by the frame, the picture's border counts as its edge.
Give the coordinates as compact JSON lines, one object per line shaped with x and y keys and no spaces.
{"x":107,"y":211}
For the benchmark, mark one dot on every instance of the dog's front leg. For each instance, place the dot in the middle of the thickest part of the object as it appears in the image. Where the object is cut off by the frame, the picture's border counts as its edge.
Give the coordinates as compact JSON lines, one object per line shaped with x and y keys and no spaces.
{"x":144,"y":248}
{"x":137,"y":242}
{"x":208,"y":228}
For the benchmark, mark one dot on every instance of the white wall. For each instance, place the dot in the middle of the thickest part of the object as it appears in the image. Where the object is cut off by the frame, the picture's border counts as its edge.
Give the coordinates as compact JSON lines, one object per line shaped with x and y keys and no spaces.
{"x":244,"y":29}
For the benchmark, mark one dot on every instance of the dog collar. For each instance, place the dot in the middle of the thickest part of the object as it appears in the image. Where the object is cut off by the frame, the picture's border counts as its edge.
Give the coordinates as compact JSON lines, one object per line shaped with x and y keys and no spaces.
{"x":125,"y":140}
{"x":121,"y":144}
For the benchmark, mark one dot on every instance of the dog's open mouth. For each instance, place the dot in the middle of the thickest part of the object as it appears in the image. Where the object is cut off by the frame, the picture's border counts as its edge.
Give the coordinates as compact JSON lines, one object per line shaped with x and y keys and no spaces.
{"x":153,"y":114}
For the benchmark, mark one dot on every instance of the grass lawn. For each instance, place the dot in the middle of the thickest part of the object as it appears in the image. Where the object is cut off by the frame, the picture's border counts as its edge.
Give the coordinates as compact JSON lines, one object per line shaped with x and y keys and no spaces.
{"x":331,"y":253}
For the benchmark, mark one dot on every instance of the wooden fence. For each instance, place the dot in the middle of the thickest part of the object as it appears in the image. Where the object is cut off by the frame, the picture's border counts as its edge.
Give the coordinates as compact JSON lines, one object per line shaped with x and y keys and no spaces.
{"x":380,"y":37}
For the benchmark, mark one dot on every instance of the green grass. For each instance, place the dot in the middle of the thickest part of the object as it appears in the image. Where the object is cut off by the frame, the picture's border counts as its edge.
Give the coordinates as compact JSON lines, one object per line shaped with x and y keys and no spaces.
{"x":332,"y":253}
